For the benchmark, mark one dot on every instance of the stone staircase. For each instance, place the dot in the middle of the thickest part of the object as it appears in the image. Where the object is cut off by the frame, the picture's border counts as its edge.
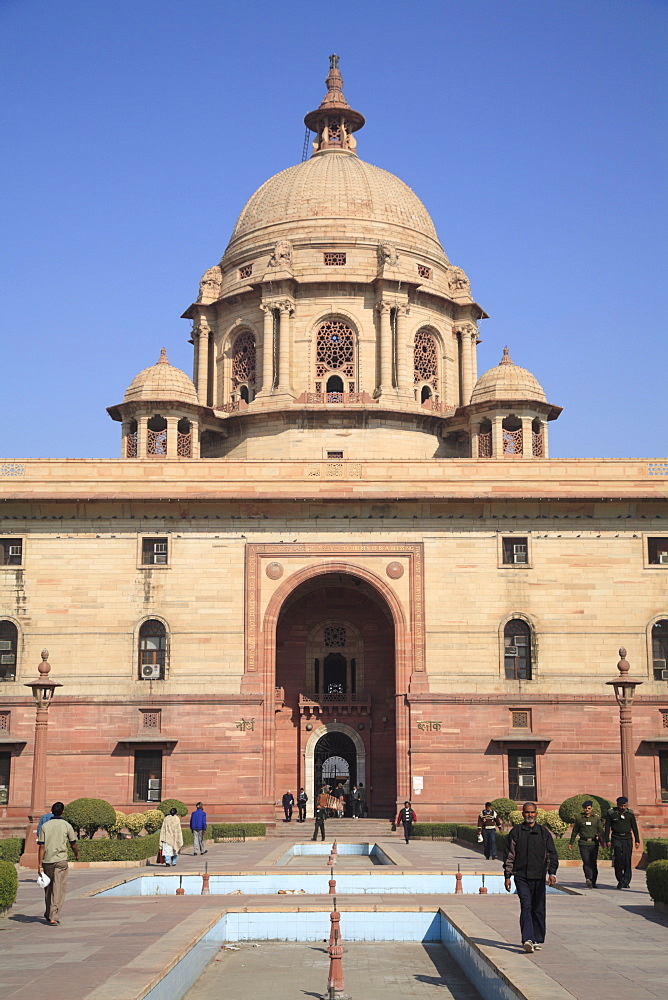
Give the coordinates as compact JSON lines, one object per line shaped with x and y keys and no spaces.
{"x":362,"y":830}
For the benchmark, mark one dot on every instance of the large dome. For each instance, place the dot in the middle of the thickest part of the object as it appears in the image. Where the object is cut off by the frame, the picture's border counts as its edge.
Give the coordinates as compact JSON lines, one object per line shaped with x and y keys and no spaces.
{"x":336,"y":186}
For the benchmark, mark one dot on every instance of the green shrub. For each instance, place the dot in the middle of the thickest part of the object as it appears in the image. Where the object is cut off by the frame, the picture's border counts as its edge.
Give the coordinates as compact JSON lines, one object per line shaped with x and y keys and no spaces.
{"x":504,"y":807}
{"x":136,"y":849}
{"x":250,"y":829}
{"x":134,"y":823}
{"x":570,"y":809}
{"x":153,"y":820}
{"x":89,"y":815}
{"x":434,"y":830}
{"x":11,"y":849}
{"x":169,"y":804}
{"x":656,"y":849}
{"x":564,"y":854}
{"x":549,"y":819}
{"x":468,"y":833}
{"x":657,"y":880}
{"x":9,"y":884}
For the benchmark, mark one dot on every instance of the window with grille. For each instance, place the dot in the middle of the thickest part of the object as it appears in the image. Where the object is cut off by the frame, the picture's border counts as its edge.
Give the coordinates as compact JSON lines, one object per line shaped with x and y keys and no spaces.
{"x":338,"y":455}
{"x":152,"y":650}
{"x":515,"y":551}
{"x":243,"y":360}
{"x":425,"y":359}
{"x":520,"y":719}
{"x":148,"y":776}
{"x":5,"y":763}
{"x":664,"y":719}
{"x":517,"y":650}
{"x":246,"y":271}
{"x":335,"y":259}
{"x":154,"y":551}
{"x":150,"y":719}
{"x":11,"y":551}
{"x":522,"y":776}
{"x":8,"y":649}
{"x":335,"y":349}
{"x":424,"y":271}
{"x":660,"y":649}
{"x":4,"y":722}
{"x":657,"y":551}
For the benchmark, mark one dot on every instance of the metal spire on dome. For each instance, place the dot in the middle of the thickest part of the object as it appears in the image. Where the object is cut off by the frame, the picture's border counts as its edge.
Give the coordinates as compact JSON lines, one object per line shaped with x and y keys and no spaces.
{"x":334,"y":121}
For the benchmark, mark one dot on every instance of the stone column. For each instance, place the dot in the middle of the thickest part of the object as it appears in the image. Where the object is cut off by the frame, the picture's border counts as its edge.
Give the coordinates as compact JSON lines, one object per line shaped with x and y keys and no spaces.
{"x":142,"y":434}
{"x":473,"y":437}
{"x":267,"y":349}
{"x":125,"y":430}
{"x":466,"y":369}
{"x":497,"y":435}
{"x":202,"y":335}
{"x":474,"y":354}
{"x":172,"y":431}
{"x":404,"y":354}
{"x":286,"y":309}
{"x":527,"y":437}
{"x":385,"y":347}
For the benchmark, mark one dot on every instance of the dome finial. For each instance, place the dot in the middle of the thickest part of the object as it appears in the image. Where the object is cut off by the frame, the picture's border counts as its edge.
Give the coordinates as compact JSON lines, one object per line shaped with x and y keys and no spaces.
{"x":506,"y":359}
{"x":335,"y":121}
{"x":162,"y":360}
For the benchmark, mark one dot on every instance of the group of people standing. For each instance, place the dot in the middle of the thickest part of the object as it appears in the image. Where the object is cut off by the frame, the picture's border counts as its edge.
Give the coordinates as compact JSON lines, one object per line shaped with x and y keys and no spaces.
{"x":334,"y":802}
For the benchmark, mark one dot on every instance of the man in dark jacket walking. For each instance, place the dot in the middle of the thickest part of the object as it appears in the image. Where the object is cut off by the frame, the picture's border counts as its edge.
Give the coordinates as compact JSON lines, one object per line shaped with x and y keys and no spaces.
{"x":620,"y":827}
{"x":287,"y":802}
{"x":198,"y":827}
{"x":530,"y":855}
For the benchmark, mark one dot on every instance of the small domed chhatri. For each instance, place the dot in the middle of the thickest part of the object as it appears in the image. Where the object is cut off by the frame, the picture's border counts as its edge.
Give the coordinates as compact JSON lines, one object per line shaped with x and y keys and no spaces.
{"x":507,"y":381}
{"x":161,"y":381}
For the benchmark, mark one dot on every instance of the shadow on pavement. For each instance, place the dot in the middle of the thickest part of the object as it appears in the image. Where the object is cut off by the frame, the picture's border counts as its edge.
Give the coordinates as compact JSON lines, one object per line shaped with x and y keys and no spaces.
{"x":649,"y":913}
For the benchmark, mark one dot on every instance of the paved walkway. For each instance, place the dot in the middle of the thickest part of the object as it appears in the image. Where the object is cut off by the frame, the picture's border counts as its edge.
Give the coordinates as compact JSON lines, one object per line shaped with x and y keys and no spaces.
{"x":602,"y":942}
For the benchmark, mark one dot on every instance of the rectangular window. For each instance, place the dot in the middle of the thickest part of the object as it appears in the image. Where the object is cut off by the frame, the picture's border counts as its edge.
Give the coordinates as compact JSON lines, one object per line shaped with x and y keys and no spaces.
{"x":515,"y":551}
{"x":154,"y":552}
{"x":663,"y":772}
{"x":657,"y":551}
{"x":8,"y":650}
{"x":335,"y":259}
{"x":11,"y":551}
{"x":148,"y":776}
{"x":424,"y":271}
{"x":522,"y":776}
{"x":5,"y":759}
{"x":335,"y":455}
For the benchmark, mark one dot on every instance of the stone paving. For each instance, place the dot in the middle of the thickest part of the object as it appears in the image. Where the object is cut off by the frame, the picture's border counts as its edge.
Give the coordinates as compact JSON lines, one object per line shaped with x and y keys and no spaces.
{"x":406,"y":969}
{"x":602,"y":942}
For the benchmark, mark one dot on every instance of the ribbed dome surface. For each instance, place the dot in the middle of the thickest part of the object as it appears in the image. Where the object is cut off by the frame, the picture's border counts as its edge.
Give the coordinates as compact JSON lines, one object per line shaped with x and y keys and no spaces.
{"x":161,"y":381}
{"x":507,"y":381}
{"x":335,"y":185}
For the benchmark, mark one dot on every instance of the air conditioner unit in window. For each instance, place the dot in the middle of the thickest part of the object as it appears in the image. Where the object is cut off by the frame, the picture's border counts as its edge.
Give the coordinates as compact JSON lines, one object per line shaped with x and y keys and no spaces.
{"x":526,"y":780}
{"x":519,"y":640}
{"x":519,"y":553}
{"x":659,"y":664}
{"x":511,"y":651}
{"x":15,"y":550}
{"x":663,"y":558}
{"x":663,"y":675}
{"x":150,"y":672}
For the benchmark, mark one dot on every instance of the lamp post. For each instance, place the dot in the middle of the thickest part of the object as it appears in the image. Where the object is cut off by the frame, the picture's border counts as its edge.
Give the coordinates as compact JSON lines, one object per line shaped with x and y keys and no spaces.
{"x":625,"y":688}
{"x":42,"y":692}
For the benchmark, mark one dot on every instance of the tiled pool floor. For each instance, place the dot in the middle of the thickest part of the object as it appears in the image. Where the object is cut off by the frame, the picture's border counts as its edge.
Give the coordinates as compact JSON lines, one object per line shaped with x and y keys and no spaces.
{"x":299,"y":969}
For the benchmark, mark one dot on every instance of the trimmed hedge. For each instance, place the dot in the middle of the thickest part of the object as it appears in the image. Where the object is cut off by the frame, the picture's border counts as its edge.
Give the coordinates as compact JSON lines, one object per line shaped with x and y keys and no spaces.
{"x":504,"y":807}
{"x":9,"y":884}
{"x":656,"y":849}
{"x":434,"y":830}
{"x":250,"y":829}
{"x":470,"y":835}
{"x":167,"y":804}
{"x":11,"y":849}
{"x":657,"y":880}
{"x":570,"y":809}
{"x":136,"y":849}
{"x":90,"y":815}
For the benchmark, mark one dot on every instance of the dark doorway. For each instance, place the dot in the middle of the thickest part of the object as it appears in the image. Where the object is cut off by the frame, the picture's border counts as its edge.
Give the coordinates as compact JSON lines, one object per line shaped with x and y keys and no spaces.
{"x":334,"y":761}
{"x":335,"y":674}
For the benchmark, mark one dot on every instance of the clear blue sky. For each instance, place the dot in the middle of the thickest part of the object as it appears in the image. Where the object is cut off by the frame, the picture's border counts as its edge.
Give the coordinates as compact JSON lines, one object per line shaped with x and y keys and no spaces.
{"x":134,"y":131}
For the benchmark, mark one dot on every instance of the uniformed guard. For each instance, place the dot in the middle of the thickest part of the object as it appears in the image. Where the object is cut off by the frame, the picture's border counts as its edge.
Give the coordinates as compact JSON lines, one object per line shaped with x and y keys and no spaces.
{"x":620,"y":824}
{"x":591,"y":832}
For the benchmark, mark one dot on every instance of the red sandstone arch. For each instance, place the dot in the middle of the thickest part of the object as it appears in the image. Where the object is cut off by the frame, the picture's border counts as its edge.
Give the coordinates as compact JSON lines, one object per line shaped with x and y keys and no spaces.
{"x":404,"y":662}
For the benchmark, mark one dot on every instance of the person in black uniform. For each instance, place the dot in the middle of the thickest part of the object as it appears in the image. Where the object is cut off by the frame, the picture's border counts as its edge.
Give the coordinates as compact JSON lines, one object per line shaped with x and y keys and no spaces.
{"x":302,"y":799}
{"x":288,"y":802}
{"x":320,"y":813}
{"x":620,"y":824}
{"x":406,"y":817}
{"x":591,"y":831}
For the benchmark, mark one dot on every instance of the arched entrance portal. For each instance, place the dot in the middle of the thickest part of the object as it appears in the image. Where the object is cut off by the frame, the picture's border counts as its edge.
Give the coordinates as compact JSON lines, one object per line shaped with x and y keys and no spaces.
{"x":335,"y":669}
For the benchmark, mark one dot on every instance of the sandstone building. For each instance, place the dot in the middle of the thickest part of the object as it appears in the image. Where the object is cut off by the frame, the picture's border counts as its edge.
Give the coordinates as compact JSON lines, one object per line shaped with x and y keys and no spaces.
{"x":336,"y":552}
